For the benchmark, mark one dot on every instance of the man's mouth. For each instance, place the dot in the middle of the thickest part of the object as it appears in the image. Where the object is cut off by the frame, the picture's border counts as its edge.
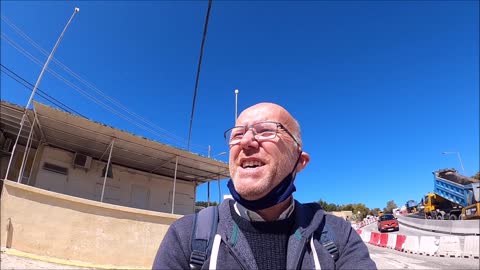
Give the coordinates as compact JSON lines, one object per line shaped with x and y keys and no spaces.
{"x":251,"y":164}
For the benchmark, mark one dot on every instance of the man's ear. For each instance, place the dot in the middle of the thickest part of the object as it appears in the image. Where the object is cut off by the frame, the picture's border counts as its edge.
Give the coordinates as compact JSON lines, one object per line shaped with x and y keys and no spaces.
{"x":302,"y":163}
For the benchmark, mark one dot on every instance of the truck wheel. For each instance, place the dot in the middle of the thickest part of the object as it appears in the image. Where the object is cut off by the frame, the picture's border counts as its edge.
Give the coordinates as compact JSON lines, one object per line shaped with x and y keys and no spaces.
{"x":452,"y":217}
{"x":429,"y":217}
{"x":439,"y":217}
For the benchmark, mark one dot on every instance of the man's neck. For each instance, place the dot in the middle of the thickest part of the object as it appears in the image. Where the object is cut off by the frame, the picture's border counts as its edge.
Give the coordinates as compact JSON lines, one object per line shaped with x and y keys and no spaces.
{"x":272,"y":213}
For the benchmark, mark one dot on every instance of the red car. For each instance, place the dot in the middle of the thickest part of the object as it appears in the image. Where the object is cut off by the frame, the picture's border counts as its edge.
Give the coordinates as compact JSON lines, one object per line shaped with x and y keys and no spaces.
{"x":387,"y":222}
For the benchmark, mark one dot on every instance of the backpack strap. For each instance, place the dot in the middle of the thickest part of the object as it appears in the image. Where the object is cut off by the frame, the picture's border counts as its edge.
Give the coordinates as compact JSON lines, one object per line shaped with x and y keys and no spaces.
{"x":203,"y":232}
{"x":327,"y":239}
{"x":327,"y":235}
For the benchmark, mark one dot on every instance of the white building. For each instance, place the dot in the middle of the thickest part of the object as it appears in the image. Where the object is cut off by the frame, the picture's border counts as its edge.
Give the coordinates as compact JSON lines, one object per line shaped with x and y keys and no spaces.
{"x":69,"y":155}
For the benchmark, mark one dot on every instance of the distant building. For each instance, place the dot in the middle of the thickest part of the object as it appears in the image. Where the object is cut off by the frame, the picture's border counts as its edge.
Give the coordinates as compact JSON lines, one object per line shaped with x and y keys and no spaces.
{"x":343,"y":214}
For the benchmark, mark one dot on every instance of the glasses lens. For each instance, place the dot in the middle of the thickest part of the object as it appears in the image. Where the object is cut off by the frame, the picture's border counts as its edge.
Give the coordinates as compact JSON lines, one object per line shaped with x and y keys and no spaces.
{"x":265,"y":130}
{"x":261,"y":131}
{"x":234,"y":135}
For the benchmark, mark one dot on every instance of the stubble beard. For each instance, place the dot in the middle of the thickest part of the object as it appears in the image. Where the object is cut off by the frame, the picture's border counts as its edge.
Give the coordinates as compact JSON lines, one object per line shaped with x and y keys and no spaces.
{"x":254,"y":189}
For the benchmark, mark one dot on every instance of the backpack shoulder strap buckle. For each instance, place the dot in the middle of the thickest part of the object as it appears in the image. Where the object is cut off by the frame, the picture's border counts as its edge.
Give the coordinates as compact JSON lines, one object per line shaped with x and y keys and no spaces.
{"x":331,"y":248}
{"x":197,"y":258}
{"x":204,"y":229}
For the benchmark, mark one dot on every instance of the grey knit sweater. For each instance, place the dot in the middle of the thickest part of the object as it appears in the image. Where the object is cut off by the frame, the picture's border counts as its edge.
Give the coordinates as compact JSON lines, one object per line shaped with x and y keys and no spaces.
{"x":235,"y":253}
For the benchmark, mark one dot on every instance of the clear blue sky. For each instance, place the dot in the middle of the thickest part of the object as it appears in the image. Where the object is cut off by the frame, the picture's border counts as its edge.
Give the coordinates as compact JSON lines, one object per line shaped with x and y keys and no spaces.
{"x":380,"y":88}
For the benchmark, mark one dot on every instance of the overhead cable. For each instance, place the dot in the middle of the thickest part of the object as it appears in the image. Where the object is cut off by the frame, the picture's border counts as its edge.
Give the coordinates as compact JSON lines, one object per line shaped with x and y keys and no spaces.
{"x":86,"y":94}
{"x":41,"y":93}
{"x":86,"y":83}
{"x":205,"y":28}
{"x":176,"y":138}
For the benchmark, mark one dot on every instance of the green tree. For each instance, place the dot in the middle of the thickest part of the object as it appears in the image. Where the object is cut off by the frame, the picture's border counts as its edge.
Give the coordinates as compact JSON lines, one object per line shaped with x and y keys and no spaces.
{"x":374,"y":211}
{"x":204,"y":204}
{"x":477,"y":176}
{"x":328,"y":207}
{"x":360,"y":210}
{"x":390,"y":206}
{"x":323,"y":204}
{"x":333,"y":207}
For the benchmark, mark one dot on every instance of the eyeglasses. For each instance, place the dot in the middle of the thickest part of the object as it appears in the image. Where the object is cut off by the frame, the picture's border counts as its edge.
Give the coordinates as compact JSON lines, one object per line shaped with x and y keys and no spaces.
{"x":262,"y":131}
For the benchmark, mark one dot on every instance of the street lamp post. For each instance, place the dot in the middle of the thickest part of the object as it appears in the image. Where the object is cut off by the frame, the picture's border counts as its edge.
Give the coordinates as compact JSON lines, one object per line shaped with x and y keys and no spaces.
{"x":236,"y":104}
{"x":50,"y":56}
{"x":459,"y":159}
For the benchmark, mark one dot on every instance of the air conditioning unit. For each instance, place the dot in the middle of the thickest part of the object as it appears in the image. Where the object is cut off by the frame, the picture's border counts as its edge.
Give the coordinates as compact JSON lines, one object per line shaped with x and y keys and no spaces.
{"x":82,"y":161}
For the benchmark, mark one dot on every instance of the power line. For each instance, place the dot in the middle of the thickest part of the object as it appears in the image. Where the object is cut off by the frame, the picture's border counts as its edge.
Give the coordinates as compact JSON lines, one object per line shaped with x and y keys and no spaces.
{"x":86,"y":94}
{"x":42,"y":93}
{"x":27,"y":88}
{"x":205,"y":27}
{"x":176,"y":139}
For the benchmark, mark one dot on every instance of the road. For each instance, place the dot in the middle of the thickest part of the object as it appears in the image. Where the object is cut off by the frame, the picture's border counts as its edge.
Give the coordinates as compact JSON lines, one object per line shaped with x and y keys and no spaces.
{"x":386,"y":258}
{"x":405,"y":230}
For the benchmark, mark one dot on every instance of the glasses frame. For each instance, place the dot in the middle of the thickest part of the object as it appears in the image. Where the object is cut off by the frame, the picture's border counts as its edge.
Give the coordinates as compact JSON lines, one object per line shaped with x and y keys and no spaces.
{"x":247,"y":128}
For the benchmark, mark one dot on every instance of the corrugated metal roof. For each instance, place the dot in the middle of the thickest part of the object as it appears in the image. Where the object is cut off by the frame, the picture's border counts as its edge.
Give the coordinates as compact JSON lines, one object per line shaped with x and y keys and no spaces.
{"x":78,"y":134}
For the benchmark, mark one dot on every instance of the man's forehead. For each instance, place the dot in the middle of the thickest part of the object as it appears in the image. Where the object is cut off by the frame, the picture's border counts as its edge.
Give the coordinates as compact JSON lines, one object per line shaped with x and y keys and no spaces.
{"x":260,"y":113}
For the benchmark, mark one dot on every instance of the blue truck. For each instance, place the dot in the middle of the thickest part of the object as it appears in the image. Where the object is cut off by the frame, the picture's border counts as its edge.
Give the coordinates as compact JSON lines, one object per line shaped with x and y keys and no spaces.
{"x":411,"y":206}
{"x":454,"y":196}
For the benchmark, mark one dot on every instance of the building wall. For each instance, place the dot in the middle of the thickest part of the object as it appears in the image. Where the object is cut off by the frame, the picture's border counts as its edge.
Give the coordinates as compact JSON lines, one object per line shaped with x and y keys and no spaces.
{"x":343,"y":214}
{"x":128,"y":187}
{"x":65,"y":227}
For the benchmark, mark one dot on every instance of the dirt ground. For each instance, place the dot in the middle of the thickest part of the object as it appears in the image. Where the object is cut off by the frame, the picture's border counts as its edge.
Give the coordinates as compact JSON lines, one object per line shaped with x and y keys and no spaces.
{"x":11,"y":262}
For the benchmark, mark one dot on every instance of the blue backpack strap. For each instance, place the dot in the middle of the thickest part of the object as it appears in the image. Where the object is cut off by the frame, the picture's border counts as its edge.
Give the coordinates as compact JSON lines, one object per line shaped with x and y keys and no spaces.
{"x":204,"y":229}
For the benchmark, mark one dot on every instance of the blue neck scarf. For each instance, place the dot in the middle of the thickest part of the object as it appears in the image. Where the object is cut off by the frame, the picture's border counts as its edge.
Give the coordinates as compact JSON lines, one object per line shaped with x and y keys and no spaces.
{"x":277,"y":195}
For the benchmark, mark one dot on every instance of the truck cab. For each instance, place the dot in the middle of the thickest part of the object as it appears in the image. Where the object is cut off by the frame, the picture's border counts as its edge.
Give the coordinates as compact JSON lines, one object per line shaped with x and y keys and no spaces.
{"x":437,"y":207}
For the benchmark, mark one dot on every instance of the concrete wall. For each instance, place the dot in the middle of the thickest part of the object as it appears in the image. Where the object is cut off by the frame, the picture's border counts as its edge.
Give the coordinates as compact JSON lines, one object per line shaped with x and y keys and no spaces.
{"x":128,"y":187}
{"x":459,"y":227}
{"x":51,"y":224}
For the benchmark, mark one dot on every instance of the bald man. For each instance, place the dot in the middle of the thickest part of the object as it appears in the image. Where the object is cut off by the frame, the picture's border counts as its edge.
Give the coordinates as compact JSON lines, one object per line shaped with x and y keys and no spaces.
{"x":263,"y":227}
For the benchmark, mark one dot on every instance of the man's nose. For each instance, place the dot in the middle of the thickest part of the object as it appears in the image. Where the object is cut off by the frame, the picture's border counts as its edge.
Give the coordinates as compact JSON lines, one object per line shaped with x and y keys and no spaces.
{"x":248,"y":140}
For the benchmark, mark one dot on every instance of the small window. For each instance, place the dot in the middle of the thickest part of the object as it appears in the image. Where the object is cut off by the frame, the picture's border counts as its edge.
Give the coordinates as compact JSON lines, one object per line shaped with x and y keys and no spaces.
{"x":55,"y":168}
{"x":110,"y":171}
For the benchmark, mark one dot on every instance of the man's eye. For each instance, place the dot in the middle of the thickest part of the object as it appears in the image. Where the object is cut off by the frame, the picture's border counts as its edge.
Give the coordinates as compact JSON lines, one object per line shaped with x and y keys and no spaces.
{"x":266,"y":132}
{"x":237,"y":135}
{"x":264,"y":129}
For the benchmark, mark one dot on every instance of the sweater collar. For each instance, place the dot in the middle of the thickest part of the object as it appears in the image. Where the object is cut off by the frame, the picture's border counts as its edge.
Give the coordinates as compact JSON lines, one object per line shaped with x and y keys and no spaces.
{"x":254,"y":216}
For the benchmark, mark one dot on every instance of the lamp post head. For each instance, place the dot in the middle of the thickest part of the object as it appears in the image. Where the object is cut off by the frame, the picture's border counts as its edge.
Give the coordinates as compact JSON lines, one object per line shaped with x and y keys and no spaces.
{"x":236,"y":91}
{"x":220,"y":154}
{"x":77,"y":10}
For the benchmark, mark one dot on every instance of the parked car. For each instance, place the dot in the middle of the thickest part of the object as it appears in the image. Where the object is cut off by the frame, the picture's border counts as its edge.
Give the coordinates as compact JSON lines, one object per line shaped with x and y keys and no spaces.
{"x":387,"y":222}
